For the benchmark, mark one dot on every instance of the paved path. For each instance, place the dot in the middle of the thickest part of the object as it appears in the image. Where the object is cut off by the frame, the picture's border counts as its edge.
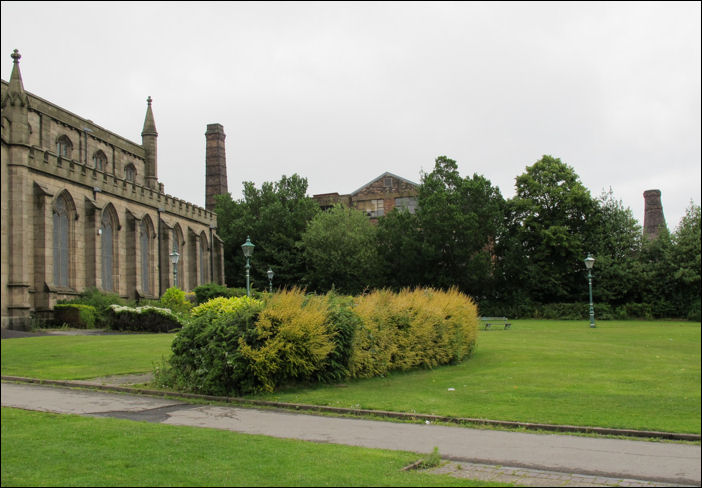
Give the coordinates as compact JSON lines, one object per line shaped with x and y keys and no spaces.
{"x":603,"y":459}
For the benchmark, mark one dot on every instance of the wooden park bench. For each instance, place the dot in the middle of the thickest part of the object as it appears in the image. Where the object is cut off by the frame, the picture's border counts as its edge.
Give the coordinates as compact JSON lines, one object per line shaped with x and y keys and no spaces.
{"x":488,"y":321}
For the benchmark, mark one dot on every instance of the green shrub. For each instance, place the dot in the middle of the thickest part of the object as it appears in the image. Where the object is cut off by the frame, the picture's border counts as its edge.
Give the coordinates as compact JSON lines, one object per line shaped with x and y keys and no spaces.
{"x":565,"y":311}
{"x":518,"y":310}
{"x":175,"y":300}
{"x":142,"y":319}
{"x":581,"y":311}
{"x":208,"y":291}
{"x":603,"y":311}
{"x":98,"y":300}
{"x":695,"y":314}
{"x":241,"y":292}
{"x":144,"y":302}
{"x":75,"y":315}
{"x":206,"y":357}
{"x":343,"y":323}
{"x":636,"y":311}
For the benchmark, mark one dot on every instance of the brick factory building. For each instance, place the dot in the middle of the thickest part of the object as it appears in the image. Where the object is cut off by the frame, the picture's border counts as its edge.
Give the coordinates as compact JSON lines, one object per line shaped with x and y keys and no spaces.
{"x":377,"y":197}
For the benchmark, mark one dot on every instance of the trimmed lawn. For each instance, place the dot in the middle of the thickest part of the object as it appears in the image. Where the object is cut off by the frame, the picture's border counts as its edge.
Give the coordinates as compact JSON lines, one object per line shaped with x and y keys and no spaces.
{"x":85,"y":451}
{"x":636,"y":375}
{"x":82,"y":357}
{"x":622,"y":374}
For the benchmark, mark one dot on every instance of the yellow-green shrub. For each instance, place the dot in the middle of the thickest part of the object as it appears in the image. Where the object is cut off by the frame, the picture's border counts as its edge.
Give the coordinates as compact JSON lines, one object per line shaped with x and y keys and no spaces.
{"x":174,"y":299}
{"x":294,"y":339}
{"x":413,"y":328}
{"x":223,"y":306}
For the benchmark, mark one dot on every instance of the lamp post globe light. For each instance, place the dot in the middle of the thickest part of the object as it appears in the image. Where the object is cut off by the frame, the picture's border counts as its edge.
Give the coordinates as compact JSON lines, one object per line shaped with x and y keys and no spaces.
{"x":589,"y":262}
{"x":270,"y":274}
{"x":174,"y":261}
{"x":248,"y":249}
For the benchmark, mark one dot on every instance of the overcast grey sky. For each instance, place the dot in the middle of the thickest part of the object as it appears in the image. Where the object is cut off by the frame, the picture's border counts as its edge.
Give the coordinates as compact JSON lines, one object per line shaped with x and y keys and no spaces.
{"x":342,"y":92}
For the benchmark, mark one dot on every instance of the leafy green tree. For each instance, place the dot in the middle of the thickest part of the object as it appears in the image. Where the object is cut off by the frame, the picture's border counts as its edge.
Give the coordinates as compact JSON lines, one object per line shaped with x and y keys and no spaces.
{"x":340,"y":251}
{"x":657,"y":283}
{"x":615,"y":243}
{"x":686,"y":253}
{"x":274,"y":217}
{"x":547,"y":228}
{"x":459,"y":218}
{"x":401,"y":250}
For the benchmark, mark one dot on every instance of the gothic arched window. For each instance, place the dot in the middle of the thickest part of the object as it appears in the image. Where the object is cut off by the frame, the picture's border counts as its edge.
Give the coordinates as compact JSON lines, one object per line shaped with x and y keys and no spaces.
{"x":107,"y":232}
{"x":61,"y":241}
{"x":64,"y":147}
{"x":203,"y":260}
{"x":130,"y":173}
{"x":145,"y":243}
{"x":99,"y":161}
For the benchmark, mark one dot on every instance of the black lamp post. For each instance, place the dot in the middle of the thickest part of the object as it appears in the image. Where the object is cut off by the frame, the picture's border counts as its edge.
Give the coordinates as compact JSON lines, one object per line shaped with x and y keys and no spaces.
{"x":248,"y":249}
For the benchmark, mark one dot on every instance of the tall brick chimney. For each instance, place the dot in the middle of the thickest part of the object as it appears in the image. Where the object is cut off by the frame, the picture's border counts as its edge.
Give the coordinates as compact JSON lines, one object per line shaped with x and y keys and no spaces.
{"x":653,"y":214}
{"x":216,"y":165}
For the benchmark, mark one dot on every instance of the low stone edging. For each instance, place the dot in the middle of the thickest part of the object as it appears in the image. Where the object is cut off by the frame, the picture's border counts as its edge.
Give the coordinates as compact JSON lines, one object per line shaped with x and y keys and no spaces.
{"x":364,"y":412}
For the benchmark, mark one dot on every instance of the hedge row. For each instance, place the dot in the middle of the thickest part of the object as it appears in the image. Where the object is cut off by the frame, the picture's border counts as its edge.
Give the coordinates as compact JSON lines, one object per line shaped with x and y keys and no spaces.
{"x":76,"y":315}
{"x":581,"y":310}
{"x":143,"y":319}
{"x":209,"y":291}
{"x":240,"y":345}
{"x":95,"y":309}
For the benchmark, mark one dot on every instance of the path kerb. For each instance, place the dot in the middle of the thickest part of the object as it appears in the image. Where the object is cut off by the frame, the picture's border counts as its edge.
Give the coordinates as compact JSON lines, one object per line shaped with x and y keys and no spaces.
{"x":410,"y":417}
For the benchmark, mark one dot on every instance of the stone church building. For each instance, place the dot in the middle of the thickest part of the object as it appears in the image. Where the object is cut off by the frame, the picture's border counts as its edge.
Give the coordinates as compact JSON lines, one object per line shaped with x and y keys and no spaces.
{"x":82,"y":207}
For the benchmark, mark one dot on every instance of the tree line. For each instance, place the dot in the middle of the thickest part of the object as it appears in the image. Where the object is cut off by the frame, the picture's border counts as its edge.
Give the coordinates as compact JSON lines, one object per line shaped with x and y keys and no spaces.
{"x":518,"y":257}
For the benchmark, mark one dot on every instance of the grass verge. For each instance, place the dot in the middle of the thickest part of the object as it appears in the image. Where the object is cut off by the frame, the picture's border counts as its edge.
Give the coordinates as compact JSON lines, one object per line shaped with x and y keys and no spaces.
{"x":79,"y":357}
{"x":111,"y":452}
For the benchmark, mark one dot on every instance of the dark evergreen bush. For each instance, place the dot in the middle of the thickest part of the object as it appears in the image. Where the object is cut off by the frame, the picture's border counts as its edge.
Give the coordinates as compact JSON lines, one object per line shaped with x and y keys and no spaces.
{"x":209,"y":291}
{"x":142,"y":319}
{"x":100,"y":301}
{"x":343,"y":322}
{"x":695,"y":314}
{"x":74,"y":315}
{"x":206,"y":356}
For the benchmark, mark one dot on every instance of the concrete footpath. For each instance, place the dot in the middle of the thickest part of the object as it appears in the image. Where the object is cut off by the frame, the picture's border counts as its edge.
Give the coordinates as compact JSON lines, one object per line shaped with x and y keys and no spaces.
{"x":523,"y":458}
